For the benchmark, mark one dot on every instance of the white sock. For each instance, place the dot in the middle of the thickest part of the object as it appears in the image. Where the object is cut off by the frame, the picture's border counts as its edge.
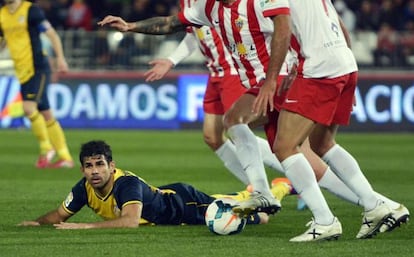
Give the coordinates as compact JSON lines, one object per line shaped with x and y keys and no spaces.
{"x":347,"y":169}
{"x":392,"y":204}
{"x":300,"y":173}
{"x":247,"y":150}
{"x":269,"y":158}
{"x":227,"y":154}
{"x":333,"y":184}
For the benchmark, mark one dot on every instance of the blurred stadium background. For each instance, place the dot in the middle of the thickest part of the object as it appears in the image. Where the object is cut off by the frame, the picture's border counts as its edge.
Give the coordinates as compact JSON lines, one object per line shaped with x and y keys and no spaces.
{"x":108,"y":66}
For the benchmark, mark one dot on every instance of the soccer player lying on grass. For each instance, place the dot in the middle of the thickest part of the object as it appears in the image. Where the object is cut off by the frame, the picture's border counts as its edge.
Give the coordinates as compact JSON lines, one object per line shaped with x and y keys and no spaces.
{"x":123,"y":199}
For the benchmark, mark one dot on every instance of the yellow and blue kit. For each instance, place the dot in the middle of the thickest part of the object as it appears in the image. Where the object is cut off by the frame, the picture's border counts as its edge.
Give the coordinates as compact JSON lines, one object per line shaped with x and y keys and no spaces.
{"x":171,"y":204}
{"x":21,"y":30}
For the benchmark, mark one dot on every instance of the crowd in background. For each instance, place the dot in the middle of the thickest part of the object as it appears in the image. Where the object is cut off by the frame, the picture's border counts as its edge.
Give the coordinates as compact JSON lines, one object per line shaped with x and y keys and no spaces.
{"x":390,"y":22}
{"x":83,"y":14}
{"x":358,"y":15}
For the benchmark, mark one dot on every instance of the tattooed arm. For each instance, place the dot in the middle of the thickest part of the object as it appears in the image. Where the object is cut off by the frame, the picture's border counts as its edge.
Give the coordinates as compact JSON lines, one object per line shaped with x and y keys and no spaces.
{"x":153,"y":26}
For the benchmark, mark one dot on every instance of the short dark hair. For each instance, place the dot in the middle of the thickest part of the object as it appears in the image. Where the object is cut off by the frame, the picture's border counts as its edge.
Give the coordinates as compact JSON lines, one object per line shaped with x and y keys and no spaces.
{"x":95,"y":147}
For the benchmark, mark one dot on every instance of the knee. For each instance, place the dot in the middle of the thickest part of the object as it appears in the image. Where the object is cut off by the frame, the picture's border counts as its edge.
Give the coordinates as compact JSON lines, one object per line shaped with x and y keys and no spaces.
{"x":321,"y":148}
{"x":213,"y":141}
{"x":29,"y":110}
{"x":277,"y":149}
{"x":230,"y":119}
{"x":284,"y":148}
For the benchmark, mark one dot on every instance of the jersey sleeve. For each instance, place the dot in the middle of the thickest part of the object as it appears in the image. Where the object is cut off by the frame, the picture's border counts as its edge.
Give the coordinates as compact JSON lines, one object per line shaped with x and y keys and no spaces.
{"x":37,"y":18}
{"x":186,"y":47}
{"x":127,"y":190}
{"x":196,"y":14}
{"x":274,"y":8}
{"x":76,"y":199}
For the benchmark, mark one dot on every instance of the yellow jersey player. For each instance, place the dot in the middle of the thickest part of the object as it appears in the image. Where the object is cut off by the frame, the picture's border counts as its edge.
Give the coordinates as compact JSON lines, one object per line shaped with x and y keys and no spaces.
{"x":123,"y":199}
{"x":21,"y":23}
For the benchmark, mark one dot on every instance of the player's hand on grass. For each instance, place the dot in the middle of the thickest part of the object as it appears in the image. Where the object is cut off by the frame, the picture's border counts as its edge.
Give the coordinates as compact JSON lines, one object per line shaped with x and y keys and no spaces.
{"x":68,"y":225}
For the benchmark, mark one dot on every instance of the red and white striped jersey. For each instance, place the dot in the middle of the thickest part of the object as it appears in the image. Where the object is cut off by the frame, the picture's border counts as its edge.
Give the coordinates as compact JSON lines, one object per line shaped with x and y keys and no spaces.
{"x":245,"y":28}
{"x":218,"y":60}
{"x":318,"y":42}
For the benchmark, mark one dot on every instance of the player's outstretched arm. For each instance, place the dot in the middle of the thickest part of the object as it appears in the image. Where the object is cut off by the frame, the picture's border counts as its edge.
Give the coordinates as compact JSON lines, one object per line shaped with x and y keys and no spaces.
{"x":130,"y":216}
{"x":155,"y":26}
{"x":160,"y":67}
{"x":52,"y":217}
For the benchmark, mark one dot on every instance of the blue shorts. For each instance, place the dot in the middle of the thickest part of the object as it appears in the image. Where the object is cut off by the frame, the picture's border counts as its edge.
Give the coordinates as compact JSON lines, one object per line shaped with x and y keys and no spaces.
{"x":35,"y":89}
{"x":187,"y":205}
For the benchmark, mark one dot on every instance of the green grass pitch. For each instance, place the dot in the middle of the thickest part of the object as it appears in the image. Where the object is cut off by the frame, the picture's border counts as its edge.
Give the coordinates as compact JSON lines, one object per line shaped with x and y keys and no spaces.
{"x":162,"y":157}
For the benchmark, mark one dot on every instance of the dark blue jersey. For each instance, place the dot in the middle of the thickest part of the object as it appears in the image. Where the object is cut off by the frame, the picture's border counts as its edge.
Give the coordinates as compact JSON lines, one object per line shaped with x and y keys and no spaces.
{"x":170,"y":204}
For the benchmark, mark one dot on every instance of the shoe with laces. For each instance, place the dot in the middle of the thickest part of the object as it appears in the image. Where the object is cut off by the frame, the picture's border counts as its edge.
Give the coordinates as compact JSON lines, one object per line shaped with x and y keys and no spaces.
{"x":62,"y":164}
{"x":372,"y":220}
{"x":317,"y":232}
{"x":257,"y":203}
{"x":399,"y":216}
{"x":44,"y":160}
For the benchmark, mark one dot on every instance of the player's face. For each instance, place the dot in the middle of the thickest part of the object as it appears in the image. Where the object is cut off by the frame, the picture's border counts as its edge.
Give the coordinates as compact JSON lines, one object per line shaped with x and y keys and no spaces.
{"x":98,"y":172}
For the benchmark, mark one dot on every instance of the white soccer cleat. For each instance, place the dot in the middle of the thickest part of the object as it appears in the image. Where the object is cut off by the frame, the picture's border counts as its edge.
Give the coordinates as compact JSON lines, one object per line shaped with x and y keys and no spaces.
{"x":318,"y":232}
{"x":257,"y":203}
{"x":372,"y":220}
{"x":398,"y":216}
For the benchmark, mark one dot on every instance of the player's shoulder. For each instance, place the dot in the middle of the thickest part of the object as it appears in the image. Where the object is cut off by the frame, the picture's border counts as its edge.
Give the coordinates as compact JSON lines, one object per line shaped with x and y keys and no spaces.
{"x":34,"y":10}
{"x":80,"y":189}
{"x":121,"y":176}
{"x":27,"y":5}
{"x":119,"y":173}
{"x":81,"y":184}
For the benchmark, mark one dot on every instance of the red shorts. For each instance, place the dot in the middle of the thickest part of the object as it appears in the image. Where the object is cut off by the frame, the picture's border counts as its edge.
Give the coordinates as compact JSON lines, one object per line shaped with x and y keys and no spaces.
{"x":221,"y":93}
{"x":270,"y":127}
{"x":325,"y":101}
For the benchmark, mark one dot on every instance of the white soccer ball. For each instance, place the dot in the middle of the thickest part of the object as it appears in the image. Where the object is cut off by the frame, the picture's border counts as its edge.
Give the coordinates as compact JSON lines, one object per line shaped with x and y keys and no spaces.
{"x":220,"y":218}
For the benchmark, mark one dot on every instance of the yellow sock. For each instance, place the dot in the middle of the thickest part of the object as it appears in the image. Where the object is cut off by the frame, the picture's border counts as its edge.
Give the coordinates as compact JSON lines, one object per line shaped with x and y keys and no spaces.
{"x":58,"y":139}
{"x":239,"y":196}
{"x":280,"y":190}
{"x":39,"y":129}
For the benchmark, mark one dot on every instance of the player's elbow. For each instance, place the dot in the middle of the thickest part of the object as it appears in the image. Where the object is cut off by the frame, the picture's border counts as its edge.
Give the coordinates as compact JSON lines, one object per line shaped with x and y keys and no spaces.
{"x":131,"y":223}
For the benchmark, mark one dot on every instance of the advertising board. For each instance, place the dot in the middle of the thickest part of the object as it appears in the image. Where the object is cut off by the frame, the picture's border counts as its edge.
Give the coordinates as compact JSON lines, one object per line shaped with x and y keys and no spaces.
{"x":126,"y":101}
